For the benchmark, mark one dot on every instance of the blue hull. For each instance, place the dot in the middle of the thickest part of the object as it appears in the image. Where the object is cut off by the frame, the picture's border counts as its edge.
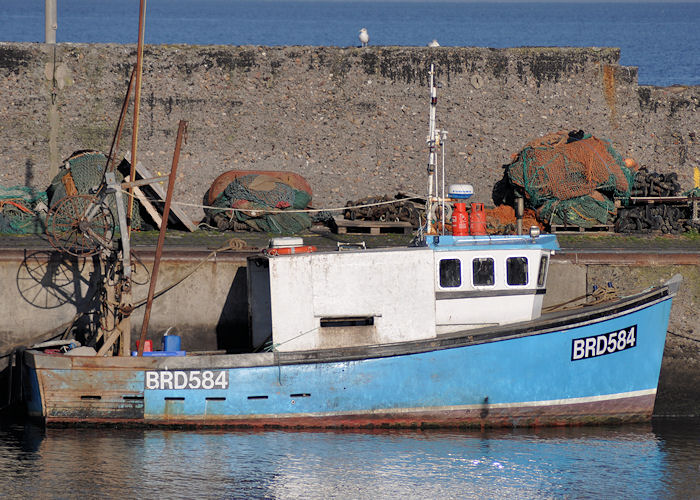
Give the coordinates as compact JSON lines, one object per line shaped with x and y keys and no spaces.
{"x":594,"y":367}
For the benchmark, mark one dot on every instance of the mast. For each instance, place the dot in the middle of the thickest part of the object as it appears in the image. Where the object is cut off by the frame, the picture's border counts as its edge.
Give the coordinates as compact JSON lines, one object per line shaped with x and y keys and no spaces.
{"x":436,"y":139}
{"x":432,"y":144}
{"x":126,"y":299}
{"x":137,"y":107}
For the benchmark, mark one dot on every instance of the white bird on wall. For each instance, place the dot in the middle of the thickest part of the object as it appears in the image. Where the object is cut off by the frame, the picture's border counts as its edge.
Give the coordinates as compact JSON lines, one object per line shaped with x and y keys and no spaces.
{"x":364,"y":37}
{"x":434,"y":43}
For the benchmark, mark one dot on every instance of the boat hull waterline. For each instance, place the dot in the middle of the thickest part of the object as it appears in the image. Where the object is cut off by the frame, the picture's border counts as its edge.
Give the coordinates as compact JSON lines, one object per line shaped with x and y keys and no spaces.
{"x":597,"y":367}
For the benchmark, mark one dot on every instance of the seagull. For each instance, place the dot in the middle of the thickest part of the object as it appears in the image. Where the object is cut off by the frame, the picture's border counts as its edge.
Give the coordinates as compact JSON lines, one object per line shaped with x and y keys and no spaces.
{"x":434,"y":43}
{"x":364,"y":37}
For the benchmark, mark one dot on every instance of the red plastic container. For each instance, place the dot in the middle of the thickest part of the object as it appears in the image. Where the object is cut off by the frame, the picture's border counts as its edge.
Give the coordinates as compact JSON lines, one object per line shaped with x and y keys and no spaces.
{"x":460,"y":220}
{"x":147,"y":345}
{"x":477,"y":219}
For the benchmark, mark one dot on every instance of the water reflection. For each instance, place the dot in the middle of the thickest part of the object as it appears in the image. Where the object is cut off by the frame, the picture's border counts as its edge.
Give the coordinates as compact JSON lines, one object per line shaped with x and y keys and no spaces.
{"x":659,"y":461}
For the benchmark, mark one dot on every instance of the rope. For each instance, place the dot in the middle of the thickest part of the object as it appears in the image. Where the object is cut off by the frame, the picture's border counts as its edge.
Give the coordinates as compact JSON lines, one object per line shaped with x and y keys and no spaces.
{"x":16,"y":204}
{"x":272,"y":347}
{"x":232,"y":244}
{"x":285,"y":211}
{"x":599,"y":295}
{"x":684,"y":336}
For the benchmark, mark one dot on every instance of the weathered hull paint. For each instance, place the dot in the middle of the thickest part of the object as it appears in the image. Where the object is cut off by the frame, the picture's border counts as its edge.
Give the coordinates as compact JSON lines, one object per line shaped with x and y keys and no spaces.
{"x":521,"y":375}
{"x":617,"y":411}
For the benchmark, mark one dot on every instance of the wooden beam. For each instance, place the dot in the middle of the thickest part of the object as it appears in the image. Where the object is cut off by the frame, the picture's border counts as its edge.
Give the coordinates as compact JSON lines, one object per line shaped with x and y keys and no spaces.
{"x":143,"y":172}
{"x":109,"y":342}
{"x":143,"y":182}
{"x":141,"y":196}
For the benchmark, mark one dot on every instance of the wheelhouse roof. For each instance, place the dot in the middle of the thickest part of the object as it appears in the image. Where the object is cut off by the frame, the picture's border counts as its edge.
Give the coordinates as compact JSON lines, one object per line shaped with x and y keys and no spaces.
{"x":501,"y":242}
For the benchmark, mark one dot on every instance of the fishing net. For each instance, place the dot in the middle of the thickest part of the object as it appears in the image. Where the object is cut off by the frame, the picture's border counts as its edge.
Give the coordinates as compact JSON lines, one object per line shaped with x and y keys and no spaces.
{"x":501,"y":220}
{"x":585,"y":211}
{"x":22,"y":210}
{"x":572,"y":178}
{"x":82,"y":173}
{"x":296,"y":181}
{"x":253,"y":195}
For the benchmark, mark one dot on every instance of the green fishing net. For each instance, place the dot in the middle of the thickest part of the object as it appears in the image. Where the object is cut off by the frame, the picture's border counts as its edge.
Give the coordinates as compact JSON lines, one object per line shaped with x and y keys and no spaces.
{"x":22,"y":210}
{"x":572,"y":181}
{"x":82,"y":173}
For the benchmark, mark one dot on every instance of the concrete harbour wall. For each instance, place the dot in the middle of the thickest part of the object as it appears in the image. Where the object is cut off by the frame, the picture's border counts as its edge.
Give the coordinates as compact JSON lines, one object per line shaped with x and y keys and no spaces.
{"x":352,"y":121}
{"x":47,"y":289}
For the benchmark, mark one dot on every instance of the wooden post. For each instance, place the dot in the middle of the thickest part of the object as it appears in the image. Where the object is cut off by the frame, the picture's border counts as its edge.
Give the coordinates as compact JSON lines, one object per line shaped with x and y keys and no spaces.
{"x":137,"y":105}
{"x":108,"y":323}
{"x":50,"y":21}
{"x":161,"y":236}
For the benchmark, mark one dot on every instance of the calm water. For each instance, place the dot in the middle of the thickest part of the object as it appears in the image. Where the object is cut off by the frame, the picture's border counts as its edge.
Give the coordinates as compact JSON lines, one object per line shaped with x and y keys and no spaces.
{"x":662,"y":39}
{"x":659,"y":461}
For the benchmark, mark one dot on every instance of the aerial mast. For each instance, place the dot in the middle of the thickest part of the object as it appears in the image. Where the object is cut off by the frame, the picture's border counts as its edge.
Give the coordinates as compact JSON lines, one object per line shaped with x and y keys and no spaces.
{"x":435,"y":140}
{"x":432,"y":144}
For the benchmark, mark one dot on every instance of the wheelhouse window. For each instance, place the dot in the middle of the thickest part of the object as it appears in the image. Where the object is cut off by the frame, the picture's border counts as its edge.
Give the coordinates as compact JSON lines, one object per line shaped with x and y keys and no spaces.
{"x":516,"y":270}
{"x":450,"y":273}
{"x":541,"y":274}
{"x":483,"y":271}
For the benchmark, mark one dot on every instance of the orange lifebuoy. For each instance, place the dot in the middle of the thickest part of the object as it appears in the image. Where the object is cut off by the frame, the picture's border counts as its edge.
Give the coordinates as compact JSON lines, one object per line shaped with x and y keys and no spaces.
{"x":290,"y":250}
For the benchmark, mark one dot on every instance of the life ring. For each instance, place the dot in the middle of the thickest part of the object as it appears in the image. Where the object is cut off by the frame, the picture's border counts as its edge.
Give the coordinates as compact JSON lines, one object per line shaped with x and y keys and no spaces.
{"x":436,"y":212}
{"x":434,"y":223}
{"x":290,"y":250}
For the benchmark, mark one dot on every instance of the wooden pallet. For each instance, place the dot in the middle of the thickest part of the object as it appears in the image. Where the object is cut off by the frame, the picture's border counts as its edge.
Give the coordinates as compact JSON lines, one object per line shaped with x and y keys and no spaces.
{"x":601,"y":228}
{"x":346,"y":226}
{"x":691,"y":201}
{"x":641,"y":200}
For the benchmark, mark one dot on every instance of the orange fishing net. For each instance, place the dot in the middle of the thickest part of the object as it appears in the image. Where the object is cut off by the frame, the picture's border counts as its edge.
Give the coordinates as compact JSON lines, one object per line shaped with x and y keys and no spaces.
{"x":501,"y":220}
{"x":289,"y":178}
{"x":571,"y":178}
{"x":553,"y":166}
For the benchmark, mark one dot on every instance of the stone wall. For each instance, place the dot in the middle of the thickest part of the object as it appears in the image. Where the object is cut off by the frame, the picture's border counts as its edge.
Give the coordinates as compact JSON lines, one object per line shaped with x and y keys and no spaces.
{"x":352,"y":121}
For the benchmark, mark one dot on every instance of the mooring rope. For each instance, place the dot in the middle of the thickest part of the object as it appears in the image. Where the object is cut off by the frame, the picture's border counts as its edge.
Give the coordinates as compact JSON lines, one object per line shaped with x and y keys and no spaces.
{"x":270,"y":347}
{"x":232,"y":244}
{"x":283,"y":211}
{"x":597,"y":296}
{"x":684,"y":336}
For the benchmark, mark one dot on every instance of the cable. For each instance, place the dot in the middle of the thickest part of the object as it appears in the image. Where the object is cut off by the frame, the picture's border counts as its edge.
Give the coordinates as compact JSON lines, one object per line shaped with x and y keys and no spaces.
{"x":285,"y":211}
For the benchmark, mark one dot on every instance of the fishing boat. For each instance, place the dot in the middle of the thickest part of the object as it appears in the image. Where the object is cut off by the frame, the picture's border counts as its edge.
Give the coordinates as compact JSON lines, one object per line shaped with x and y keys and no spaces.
{"x":447,"y":332}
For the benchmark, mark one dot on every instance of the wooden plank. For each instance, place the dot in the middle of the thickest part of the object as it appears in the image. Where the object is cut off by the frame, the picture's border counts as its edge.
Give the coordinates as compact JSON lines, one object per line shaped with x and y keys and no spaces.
{"x":600,"y":228}
{"x":659,"y":199}
{"x":146,"y":204}
{"x":345,"y":226}
{"x":158,"y":189}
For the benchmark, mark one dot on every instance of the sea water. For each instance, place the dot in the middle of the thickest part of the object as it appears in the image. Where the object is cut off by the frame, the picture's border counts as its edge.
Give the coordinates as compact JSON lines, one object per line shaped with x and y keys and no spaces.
{"x":662,"y":39}
{"x":635,"y":461}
